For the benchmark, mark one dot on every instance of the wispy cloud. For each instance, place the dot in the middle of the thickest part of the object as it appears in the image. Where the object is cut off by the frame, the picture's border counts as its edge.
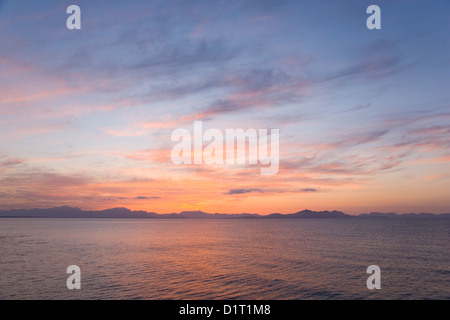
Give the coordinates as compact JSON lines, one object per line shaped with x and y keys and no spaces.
{"x":243,"y":191}
{"x":147,"y":198}
{"x":7,"y":162}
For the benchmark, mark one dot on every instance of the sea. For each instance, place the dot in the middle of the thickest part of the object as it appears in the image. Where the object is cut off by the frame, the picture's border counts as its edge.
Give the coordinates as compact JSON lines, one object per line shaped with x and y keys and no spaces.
{"x":155,"y":259}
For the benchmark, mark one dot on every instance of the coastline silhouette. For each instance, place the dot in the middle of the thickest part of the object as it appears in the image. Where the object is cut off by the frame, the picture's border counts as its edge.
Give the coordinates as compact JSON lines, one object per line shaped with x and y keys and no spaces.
{"x":124,"y":213}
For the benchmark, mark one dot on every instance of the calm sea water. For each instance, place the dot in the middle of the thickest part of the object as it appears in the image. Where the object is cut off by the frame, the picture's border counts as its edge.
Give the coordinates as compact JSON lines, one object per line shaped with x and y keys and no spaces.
{"x":225,"y":259}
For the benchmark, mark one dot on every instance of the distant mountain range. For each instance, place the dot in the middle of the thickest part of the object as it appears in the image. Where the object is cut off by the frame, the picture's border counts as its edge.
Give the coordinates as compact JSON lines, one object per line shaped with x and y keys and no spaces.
{"x":124,"y":213}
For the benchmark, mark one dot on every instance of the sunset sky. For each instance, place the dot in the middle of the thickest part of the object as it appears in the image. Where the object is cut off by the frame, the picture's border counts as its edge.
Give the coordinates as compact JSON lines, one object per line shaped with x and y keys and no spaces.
{"x":87,"y":115}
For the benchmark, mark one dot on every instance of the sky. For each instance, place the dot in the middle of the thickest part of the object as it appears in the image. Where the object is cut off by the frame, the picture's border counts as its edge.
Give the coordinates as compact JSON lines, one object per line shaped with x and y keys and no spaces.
{"x":87,"y":115}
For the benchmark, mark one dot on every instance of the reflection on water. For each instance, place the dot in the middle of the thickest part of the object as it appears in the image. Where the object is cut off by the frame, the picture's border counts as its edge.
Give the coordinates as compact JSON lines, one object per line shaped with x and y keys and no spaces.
{"x":225,"y":259}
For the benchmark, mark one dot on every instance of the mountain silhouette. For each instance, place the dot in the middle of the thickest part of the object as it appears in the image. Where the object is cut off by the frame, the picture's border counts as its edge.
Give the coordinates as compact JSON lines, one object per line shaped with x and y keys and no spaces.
{"x":124,"y":213}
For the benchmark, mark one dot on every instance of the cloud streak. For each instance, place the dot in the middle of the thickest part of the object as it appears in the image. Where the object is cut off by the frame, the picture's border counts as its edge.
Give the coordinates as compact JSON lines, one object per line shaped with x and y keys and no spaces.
{"x":244,"y":191}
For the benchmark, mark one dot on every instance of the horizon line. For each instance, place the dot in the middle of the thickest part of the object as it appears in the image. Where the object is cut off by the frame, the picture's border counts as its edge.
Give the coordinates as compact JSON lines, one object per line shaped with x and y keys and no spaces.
{"x":122,"y":212}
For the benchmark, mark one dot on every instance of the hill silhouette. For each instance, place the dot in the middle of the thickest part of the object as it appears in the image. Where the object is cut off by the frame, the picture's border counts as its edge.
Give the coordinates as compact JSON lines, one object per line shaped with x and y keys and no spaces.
{"x":124,"y":213}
